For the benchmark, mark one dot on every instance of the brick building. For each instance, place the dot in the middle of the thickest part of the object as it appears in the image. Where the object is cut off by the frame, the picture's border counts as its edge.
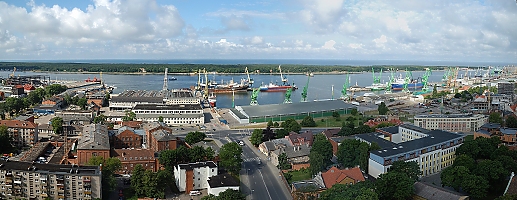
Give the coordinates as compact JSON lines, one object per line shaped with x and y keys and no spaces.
{"x":93,"y":142}
{"x":129,"y":158}
{"x":160,"y":137}
{"x":126,"y":137}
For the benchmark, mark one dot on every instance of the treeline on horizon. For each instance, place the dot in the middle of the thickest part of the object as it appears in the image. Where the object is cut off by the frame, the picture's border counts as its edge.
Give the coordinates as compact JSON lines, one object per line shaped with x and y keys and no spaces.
{"x":192,"y":68}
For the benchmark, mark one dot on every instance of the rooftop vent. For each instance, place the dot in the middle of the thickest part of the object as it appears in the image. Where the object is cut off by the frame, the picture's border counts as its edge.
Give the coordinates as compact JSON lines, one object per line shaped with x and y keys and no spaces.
{"x":400,"y":147}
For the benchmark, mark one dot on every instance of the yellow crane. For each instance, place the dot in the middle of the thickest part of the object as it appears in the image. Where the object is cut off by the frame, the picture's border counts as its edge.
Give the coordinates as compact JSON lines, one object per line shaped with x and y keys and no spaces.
{"x":14,"y":70}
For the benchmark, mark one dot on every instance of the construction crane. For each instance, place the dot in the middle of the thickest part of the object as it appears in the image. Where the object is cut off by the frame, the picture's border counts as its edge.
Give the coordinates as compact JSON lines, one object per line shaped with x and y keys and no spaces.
{"x":455,"y":77}
{"x":304,"y":92}
{"x":14,"y":70}
{"x":205,"y":93}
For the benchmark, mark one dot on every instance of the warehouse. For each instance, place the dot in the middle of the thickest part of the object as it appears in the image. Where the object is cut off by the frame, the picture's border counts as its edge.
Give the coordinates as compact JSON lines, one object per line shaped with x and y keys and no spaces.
{"x":280,"y":112}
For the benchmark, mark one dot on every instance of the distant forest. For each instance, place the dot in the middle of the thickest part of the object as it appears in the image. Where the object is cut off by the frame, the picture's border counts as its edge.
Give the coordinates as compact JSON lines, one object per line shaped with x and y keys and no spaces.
{"x":192,"y":68}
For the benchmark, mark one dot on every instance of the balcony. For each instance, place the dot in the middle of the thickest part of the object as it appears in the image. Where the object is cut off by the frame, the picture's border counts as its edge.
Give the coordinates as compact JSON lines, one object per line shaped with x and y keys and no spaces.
{"x":17,"y":182}
{"x":44,"y":195}
{"x":87,"y":180}
{"x":61,"y":196}
{"x":87,"y":192}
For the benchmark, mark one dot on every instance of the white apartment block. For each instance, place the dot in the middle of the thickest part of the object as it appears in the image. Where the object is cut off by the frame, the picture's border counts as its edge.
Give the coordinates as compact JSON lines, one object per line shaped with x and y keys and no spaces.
{"x":433,"y":150}
{"x":23,"y":180}
{"x":451,"y":122}
{"x":194,"y":176}
{"x":188,"y":114}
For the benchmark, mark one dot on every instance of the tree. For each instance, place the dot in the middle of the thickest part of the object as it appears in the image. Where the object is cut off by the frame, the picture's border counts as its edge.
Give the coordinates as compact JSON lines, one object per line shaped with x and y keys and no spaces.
{"x":410,"y":168}
{"x":476,"y":186}
{"x":82,"y":103}
{"x":466,"y":161}
{"x":256,"y":137}
{"x":308,"y":121}
{"x":347,"y":154}
{"x":354,"y":112}
{"x":268,"y":134}
{"x":511,"y":122}
{"x":99,"y":119}
{"x":495,"y":117}
{"x":362,"y":190}
{"x":270,"y":123}
{"x":317,"y":162}
{"x":137,"y":180}
{"x":394,"y":185}
{"x":382,"y":109}
{"x":336,"y":115}
{"x":109,"y":167}
{"x":230,"y":194}
{"x":469,"y":148}
{"x":57,"y":125}
{"x":230,"y":157}
{"x":5,"y":140}
{"x":160,"y":119}
{"x":283,"y":163}
{"x":291,"y":125}
{"x":194,"y":137}
{"x":457,"y":95}
{"x":492,"y":171}
{"x":323,"y":147}
{"x":170,"y":158}
{"x":276,"y":125}
{"x":435,"y":91}
{"x":130,"y":116}
{"x":453,"y":176}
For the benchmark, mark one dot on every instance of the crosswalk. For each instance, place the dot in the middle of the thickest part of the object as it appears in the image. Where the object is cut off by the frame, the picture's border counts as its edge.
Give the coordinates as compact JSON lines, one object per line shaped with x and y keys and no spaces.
{"x":251,"y":159}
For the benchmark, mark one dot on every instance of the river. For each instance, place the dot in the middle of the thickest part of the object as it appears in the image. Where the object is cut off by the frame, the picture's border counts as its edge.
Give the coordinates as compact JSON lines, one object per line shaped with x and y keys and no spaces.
{"x":320,"y":86}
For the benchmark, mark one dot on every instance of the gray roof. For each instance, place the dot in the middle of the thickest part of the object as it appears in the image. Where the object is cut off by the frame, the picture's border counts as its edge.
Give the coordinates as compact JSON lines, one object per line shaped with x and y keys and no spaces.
{"x":163,"y":135}
{"x":491,"y":125}
{"x":374,"y":137}
{"x":270,"y":146}
{"x":167,"y":107}
{"x":415,"y":128}
{"x":223,"y":180}
{"x":508,"y":131}
{"x":430,"y":192}
{"x":341,"y":138}
{"x":95,"y":136}
{"x":448,"y":115}
{"x":306,"y":185}
{"x":295,"y":108}
{"x":294,"y":151}
{"x":190,"y":166}
{"x":434,"y":137}
{"x":391,"y":129}
{"x":145,"y":115}
{"x":52,"y":168}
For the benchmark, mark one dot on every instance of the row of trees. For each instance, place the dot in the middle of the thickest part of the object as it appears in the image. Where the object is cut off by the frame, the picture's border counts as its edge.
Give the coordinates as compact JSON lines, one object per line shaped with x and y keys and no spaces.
{"x":354,"y":152}
{"x":146,"y":183}
{"x":13,"y":106}
{"x":481,"y":167}
{"x":190,"y":68}
{"x":171,"y":158}
{"x":397,"y":183}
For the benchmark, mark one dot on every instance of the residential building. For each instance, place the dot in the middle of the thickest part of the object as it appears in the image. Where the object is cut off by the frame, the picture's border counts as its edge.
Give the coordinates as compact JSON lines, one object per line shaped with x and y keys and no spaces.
{"x":508,"y":136}
{"x":383,"y":119}
{"x":184,"y":114}
{"x":347,"y":176}
{"x":75,"y":117}
{"x":24,"y":180}
{"x":480,"y":103}
{"x":297,"y":156}
{"x":93,"y":142}
{"x":54,"y":101}
{"x":331,"y":132}
{"x":433,"y":150}
{"x":297,"y":139}
{"x":269,"y":146}
{"x":160,"y":137}
{"x":18,"y":91}
{"x":451,"y":122}
{"x":380,"y":139}
{"x":126,"y":137}
{"x":194,"y":176}
{"x":336,"y":141}
{"x":221,"y":183}
{"x":309,"y":189}
{"x":97,"y":98}
{"x":390,"y":133}
{"x":427,"y":191}
{"x":130,"y":158}
{"x":507,"y":88}
{"x":23,"y":133}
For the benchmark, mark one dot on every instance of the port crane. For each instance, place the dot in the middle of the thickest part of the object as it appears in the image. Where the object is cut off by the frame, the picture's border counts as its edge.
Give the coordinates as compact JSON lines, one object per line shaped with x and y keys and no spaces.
{"x":288,"y":96}
{"x":14,"y":70}
{"x":387,"y":90}
{"x":344,"y":94}
{"x":254,"y":96}
{"x":425,"y":78}
{"x":304,"y":92}
{"x":376,"y":79}
{"x":406,"y":82}
{"x":250,"y":80}
{"x":284,"y":79}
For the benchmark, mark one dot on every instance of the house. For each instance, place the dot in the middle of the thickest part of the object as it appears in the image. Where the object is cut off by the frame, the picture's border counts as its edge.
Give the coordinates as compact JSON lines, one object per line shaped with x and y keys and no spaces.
{"x":306,"y":189}
{"x":336,"y":141}
{"x":269,"y":146}
{"x":160,"y":137}
{"x":23,"y":133}
{"x":508,"y":136}
{"x":97,"y":98}
{"x":331,"y":132}
{"x":296,"y":139}
{"x":511,"y":187}
{"x":194,"y":176}
{"x":126,"y":137}
{"x":297,"y":156}
{"x":430,"y":192}
{"x":18,"y":91}
{"x":347,"y":176}
{"x":129,"y":158}
{"x":94,"y":141}
{"x":221,"y":183}
{"x":54,"y":101}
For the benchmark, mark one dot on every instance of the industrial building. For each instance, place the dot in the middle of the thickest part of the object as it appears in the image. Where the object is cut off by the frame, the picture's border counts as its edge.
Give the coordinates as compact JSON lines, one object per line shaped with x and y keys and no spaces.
{"x":184,"y":114}
{"x":281,"y":112}
{"x":127,"y":100}
{"x":24,"y":180}
{"x":433,"y":150}
{"x":451,"y":122}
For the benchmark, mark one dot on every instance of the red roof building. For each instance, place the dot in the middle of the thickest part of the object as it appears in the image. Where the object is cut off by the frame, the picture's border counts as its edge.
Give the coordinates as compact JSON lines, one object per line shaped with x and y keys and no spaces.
{"x":379,"y":120}
{"x":345,"y":176}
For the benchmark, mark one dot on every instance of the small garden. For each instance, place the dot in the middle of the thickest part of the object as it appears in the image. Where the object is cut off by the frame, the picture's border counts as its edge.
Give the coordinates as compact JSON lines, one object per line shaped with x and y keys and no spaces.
{"x":297,"y":175}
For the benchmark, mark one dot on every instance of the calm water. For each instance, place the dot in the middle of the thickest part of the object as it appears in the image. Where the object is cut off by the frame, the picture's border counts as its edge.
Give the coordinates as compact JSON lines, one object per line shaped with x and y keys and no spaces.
{"x":320,"y":86}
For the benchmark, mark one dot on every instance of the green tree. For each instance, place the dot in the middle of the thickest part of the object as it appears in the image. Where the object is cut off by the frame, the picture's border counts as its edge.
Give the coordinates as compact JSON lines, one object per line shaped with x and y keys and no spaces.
{"x":99,"y":119}
{"x":137,"y":180}
{"x":394,"y":185}
{"x":492,"y":171}
{"x":195,"y":137}
{"x":469,"y":148}
{"x":283,"y":162}
{"x":230,"y":194}
{"x":495,"y":117}
{"x":270,"y":123}
{"x":109,"y":167}
{"x":308,"y":121}
{"x":82,"y":103}
{"x":347,"y":154}
{"x":361,"y":190}
{"x":336,"y":115}
{"x":317,"y":162}
{"x":435,"y":91}
{"x":410,"y":168}
{"x":453,"y":176}
{"x":466,"y":161}
{"x":130,"y":116}
{"x":291,"y":125}
{"x":382,"y":108}
{"x":230,"y":157}
{"x":170,"y":158}
{"x":476,"y":186}
{"x":160,"y":119}
{"x":57,"y":125}
{"x":511,"y":122}
{"x":354,"y":112}
{"x":256,"y":137}
{"x":199,"y":154}
{"x":276,"y":125}
{"x":323,"y":147}
{"x":5,"y":140}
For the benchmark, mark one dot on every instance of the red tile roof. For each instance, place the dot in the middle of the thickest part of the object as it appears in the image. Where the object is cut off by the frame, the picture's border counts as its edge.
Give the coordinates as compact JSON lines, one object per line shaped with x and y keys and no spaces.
{"x":132,"y":124}
{"x":335,"y":175}
{"x":18,"y":124}
{"x":301,"y":139}
{"x":512,"y":188}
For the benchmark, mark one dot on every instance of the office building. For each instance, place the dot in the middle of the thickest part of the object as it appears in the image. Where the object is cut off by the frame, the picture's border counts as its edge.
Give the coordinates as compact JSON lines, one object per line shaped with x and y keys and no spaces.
{"x":451,"y":122}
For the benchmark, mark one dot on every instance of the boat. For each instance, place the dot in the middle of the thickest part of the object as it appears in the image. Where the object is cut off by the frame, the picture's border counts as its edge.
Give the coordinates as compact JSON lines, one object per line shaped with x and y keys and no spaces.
{"x":356,"y":88}
{"x":92,"y":80}
{"x":229,"y":87}
{"x":212,"y":99}
{"x":399,"y":84}
{"x":309,"y":74}
{"x":172,"y":78}
{"x":273,"y":87}
{"x":376,"y":87}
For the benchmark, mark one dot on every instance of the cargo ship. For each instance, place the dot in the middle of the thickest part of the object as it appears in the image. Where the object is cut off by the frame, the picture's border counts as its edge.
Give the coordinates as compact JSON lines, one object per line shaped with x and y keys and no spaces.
{"x":412,"y":85}
{"x":272,"y":87}
{"x":212,"y":100}
{"x":93,"y":80}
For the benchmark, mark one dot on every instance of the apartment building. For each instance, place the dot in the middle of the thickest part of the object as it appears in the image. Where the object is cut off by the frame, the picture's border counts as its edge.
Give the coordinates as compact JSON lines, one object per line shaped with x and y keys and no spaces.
{"x":23,"y":133}
{"x":433,"y":150}
{"x":23,"y":180}
{"x":126,"y":137}
{"x":451,"y":122}
{"x":184,"y":114}
{"x":194,"y":176}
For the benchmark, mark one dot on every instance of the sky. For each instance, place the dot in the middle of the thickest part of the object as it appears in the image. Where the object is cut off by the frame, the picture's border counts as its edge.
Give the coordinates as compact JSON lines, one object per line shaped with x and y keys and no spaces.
{"x":428,"y":30}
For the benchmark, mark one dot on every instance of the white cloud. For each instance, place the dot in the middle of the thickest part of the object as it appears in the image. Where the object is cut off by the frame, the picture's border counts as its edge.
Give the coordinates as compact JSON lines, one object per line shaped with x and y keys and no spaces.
{"x":329,"y":45}
{"x":380,"y":41}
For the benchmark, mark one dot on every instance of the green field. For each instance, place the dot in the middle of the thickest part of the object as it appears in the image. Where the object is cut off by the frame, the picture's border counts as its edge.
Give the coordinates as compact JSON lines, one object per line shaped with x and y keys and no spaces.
{"x":299,"y":175}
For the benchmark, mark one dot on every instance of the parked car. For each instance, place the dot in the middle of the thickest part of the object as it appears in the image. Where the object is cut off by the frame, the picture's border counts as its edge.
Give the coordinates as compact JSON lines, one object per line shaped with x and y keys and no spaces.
{"x":241,"y":143}
{"x":194,"y":193}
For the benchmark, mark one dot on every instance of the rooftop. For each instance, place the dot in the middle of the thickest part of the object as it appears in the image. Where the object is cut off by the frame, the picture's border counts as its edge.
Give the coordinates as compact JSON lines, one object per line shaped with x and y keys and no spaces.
{"x":191,"y":166}
{"x":295,"y":108}
{"x":449,"y":116}
{"x":391,"y":129}
{"x":44,"y":168}
{"x":414,"y":128}
{"x":223,"y":180}
{"x":294,"y":151}
{"x":143,"y":154}
{"x":335,"y":175}
{"x":430,"y":192}
{"x":18,"y":124}
{"x":167,"y":107}
{"x":374,"y":137}
{"x":95,"y":136}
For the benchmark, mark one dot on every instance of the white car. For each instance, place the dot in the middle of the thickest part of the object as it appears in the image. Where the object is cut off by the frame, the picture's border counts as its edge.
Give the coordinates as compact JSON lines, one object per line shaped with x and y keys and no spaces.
{"x":194,"y":193}
{"x":241,"y":143}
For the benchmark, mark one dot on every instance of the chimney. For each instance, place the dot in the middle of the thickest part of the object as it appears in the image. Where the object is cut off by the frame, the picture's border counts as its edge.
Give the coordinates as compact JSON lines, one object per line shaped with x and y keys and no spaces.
{"x":294,"y":148}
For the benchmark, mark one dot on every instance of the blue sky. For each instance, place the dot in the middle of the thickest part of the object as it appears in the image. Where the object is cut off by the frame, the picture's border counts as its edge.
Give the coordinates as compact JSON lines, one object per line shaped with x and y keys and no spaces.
{"x":454,"y":30}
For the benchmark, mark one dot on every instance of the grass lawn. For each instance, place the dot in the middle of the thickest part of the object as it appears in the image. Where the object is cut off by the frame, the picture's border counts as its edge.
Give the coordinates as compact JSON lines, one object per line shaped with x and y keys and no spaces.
{"x":332,"y":122}
{"x":299,"y":175}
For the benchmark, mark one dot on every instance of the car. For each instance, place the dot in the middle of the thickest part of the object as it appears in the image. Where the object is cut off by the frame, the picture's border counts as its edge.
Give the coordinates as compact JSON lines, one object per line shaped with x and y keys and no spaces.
{"x":194,"y":193}
{"x":241,"y":143}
